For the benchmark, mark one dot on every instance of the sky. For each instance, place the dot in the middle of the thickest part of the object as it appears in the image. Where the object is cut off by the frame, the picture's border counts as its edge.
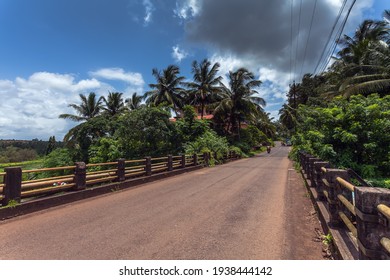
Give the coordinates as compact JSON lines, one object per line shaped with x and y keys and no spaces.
{"x":52,"y":51}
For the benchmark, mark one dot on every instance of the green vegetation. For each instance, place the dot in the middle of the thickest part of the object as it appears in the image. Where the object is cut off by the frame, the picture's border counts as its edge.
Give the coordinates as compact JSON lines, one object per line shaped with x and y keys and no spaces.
{"x":111,"y":128}
{"x":343,"y":115}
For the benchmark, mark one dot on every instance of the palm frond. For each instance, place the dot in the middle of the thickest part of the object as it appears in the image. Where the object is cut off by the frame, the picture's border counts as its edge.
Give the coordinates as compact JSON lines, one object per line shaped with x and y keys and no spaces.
{"x":381,"y":87}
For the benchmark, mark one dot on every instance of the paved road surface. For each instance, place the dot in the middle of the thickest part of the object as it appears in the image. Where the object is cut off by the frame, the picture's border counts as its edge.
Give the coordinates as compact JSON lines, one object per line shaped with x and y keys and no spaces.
{"x":234,"y":211}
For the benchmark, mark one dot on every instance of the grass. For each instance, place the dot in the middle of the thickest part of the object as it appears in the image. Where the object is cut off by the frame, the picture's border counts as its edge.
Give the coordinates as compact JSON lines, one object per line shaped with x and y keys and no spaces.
{"x":31,"y":164}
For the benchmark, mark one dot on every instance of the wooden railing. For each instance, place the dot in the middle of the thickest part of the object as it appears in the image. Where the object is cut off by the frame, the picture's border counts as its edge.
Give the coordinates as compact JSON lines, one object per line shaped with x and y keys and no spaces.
{"x":352,"y":205}
{"x":18,"y":184}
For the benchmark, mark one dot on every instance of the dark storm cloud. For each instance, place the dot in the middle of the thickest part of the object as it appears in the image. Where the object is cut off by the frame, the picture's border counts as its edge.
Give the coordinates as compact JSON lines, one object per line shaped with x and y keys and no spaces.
{"x":261,"y":30}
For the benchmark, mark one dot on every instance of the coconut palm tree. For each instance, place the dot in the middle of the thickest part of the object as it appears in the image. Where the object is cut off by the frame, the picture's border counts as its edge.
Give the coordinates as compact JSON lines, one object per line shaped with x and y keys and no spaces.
{"x":134,"y":102}
{"x":90,"y":107}
{"x":238,"y":102}
{"x":206,"y":86}
{"x":287,"y":116}
{"x":113,"y":104}
{"x":168,"y":88}
{"x":363,"y":62}
{"x":355,"y":48}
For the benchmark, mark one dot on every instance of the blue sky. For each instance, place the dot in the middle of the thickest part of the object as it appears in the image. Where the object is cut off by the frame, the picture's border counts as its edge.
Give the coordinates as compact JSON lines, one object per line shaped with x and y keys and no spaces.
{"x":51,"y":51}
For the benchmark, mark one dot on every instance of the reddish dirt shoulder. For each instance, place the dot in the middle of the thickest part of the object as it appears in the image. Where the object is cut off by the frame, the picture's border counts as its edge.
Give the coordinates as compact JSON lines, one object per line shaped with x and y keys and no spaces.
{"x":304,"y":232}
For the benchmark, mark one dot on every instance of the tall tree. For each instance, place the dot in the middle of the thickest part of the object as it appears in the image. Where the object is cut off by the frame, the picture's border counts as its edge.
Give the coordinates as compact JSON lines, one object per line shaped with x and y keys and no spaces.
{"x":206,"y":84}
{"x":89,"y":107}
{"x":168,"y":88}
{"x":238,"y":101}
{"x":113,"y":104}
{"x":134,"y":102}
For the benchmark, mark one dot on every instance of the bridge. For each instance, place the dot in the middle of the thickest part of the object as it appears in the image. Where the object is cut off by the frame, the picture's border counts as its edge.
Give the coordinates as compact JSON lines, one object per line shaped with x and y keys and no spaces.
{"x":253,"y":208}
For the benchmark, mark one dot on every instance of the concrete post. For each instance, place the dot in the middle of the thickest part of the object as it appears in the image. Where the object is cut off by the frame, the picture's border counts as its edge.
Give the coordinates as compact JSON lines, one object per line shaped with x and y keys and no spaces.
{"x":206,"y":159}
{"x":12,"y":184}
{"x":80,"y":176}
{"x":371,"y":225}
{"x":333,"y":191}
{"x":195,"y":157}
{"x":312,"y":170}
{"x":183,"y":161}
{"x":121,"y":170}
{"x":170,"y":163}
{"x":319,"y":185}
{"x":148,"y":166}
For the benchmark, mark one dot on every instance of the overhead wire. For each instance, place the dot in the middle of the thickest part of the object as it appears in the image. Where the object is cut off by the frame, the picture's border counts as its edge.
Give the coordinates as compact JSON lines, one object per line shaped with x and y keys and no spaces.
{"x":291,"y":38}
{"x":298,"y":35}
{"x":330,"y":36}
{"x":308,"y":37}
{"x":339,"y":33}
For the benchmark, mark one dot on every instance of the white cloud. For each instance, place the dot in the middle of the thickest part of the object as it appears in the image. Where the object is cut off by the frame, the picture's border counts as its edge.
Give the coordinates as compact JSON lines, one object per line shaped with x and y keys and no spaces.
{"x":31,"y":106}
{"x":120,"y":75}
{"x":178,"y":54}
{"x":188,"y":8}
{"x":149,"y":8}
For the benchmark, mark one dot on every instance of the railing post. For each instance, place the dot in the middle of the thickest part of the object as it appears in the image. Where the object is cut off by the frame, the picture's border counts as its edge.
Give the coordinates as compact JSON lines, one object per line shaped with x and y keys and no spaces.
{"x":80,"y":176}
{"x":170,"y":163}
{"x":312,"y":169}
{"x":319,"y":185}
{"x":121,"y":170}
{"x":12,"y":184}
{"x":148,"y":166}
{"x":334,"y":190}
{"x":371,"y":226}
{"x":206,"y":158}
{"x":183,"y":161}
{"x":195,"y":157}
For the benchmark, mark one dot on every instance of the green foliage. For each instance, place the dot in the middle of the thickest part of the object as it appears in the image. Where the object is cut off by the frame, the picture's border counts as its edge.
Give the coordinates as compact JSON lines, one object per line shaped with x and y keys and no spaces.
{"x":189,"y":128}
{"x":106,"y":149}
{"x":354,"y":133}
{"x":145,"y":132}
{"x":15,"y":154}
{"x":58,"y":157}
{"x":208,"y":142}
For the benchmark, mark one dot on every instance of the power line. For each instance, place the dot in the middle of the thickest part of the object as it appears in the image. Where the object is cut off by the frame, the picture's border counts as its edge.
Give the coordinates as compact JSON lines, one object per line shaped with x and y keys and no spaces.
{"x":291,"y":37}
{"x":330,"y":35}
{"x":299,"y":28}
{"x":339,"y":35}
{"x":308,"y":36}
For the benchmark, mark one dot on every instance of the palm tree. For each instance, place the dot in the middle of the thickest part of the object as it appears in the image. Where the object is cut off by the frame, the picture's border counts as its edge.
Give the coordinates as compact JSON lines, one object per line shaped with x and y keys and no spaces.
{"x":90,"y":107}
{"x":167,"y":89}
{"x":363,"y":63}
{"x":114,"y":103}
{"x":206,"y":85}
{"x":287,"y":116}
{"x":238,"y":103}
{"x":355,"y":48}
{"x":134,"y":102}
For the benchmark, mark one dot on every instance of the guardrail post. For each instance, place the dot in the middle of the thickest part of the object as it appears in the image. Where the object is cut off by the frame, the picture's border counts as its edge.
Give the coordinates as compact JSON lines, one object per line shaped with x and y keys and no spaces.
{"x":370,"y":224}
{"x":312,"y":169}
{"x":206,"y":159}
{"x":80,"y":176}
{"x":121,"y":170}
{"x":318,"y":184}
{"x":183,"y":161}
{"x":195,"y":157}
{"x":170,"y":163}
{"x":12,"y":184}
{"x":148,"y":166}
{"x":333,"y":191}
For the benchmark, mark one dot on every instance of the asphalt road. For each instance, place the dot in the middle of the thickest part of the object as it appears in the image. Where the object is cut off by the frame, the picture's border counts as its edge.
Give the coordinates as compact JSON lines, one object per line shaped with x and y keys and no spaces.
{"x":234,"y":211}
